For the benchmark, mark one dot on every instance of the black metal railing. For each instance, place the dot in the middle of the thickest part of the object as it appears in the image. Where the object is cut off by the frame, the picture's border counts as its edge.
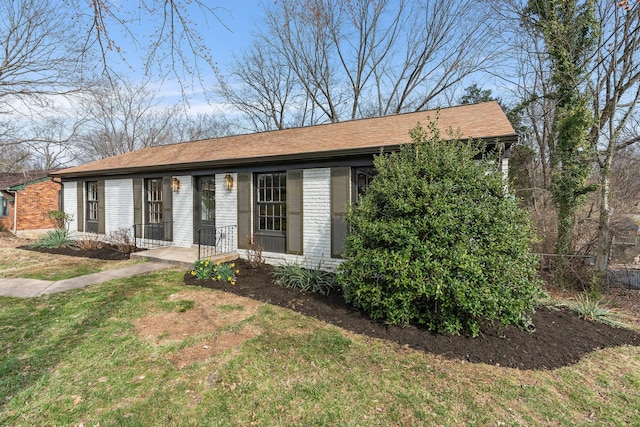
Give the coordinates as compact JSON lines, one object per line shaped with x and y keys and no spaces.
{"x":216,"y":240}
{"x":153,"y":235}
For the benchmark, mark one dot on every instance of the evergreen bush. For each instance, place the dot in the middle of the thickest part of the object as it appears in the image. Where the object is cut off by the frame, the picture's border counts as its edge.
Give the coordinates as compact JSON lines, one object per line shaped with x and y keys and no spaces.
{"x":437,"y":241}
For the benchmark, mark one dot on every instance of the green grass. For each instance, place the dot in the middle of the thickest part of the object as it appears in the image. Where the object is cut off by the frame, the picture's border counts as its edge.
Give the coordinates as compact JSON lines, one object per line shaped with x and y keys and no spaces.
{"x":16,"y":263}
{"x":76,"y":358}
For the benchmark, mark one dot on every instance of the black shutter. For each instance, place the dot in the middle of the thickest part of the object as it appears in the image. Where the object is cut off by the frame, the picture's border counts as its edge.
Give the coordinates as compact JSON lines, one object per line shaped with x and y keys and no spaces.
{"x":80,"y":196}
{"x":340,"y":189}
{"x":137,"y":206}
{"x":101,"y":207}
{"x":167,"y":207}
{"x":294,"y":212}
{"x":244,"y":210}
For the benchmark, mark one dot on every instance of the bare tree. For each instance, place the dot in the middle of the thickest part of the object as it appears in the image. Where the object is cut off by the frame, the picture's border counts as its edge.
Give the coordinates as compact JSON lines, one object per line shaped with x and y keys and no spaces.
{"x":51,"y":141}
{"x":50,"y":48}
{"x":263,"y":89}
{"x":616,"y":84}
{"x":194,"y":127}
{"x":124,"y":118}
{"x":337,"y":60}
{"x":612,"y":81}
{"x":36,"y":54}
{"x":14,"y":159}
{"x":174,"y":45}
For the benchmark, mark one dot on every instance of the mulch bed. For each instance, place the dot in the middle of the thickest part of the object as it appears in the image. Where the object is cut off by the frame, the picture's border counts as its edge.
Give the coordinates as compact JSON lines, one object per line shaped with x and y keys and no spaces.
{"x":560,"y":337}
{"x":106,"y":252}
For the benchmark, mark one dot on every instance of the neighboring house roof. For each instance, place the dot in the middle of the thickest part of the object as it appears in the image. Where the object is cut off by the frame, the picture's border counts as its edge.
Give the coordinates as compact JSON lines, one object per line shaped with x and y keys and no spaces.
{"x":479,"y":121}
{"x":17,"y":181}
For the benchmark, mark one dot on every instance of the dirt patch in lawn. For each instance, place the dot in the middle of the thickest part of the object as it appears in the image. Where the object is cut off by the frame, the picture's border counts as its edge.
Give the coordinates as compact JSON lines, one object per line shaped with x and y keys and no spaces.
{"x":8,"y":240}
{"x":561,"y":338}
{"x":210,"y":323}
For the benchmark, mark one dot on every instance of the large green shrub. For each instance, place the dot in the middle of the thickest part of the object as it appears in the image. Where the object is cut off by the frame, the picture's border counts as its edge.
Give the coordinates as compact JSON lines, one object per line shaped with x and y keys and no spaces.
{"x":436,"y":241}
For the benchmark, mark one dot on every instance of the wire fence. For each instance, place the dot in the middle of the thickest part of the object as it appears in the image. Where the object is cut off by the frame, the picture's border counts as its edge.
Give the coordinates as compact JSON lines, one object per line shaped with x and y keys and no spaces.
{"x":581,"y":271}
{"x":622,"y":276}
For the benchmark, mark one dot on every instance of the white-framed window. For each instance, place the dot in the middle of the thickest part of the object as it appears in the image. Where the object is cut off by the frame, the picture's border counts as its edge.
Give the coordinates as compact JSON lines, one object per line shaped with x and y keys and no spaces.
{"x":154,"y":200}
{"x":271,"y":189}
{"x":92,"y":200}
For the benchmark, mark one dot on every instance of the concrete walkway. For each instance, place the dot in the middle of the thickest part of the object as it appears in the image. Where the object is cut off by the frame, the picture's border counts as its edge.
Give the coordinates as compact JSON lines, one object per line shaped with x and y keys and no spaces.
{"x":178,"y":256}
{"x":27,"y":288}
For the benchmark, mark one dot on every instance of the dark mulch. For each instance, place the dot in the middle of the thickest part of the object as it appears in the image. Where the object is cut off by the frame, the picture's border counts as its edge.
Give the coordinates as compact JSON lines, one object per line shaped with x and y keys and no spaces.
{"x":107,"y":252}
{"x":560,"y":337}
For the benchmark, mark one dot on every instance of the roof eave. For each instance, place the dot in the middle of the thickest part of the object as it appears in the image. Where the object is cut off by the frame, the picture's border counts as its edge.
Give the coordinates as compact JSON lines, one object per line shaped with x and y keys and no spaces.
{"x":508,"y":140}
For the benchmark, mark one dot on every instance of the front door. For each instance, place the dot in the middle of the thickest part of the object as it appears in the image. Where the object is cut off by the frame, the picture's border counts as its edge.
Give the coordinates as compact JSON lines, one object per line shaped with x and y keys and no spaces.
{"x":205,"y":211}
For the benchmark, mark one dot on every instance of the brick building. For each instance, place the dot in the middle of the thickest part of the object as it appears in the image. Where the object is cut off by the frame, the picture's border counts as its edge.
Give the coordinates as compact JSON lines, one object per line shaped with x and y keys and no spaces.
{"x":25,"y":201}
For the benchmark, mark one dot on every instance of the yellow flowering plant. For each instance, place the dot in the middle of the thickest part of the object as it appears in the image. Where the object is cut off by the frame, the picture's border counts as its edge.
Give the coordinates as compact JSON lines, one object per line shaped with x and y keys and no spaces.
{"x":226,"y":272}
{"x":203,"y":269}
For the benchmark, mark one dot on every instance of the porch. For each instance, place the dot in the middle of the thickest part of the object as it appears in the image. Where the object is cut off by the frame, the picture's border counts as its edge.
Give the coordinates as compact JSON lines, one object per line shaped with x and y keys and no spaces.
{"x":179,"y":256}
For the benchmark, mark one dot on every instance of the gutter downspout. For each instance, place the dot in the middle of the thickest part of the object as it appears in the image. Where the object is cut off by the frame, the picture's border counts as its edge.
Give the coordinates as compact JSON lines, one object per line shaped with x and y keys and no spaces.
{"x":15,"y":210}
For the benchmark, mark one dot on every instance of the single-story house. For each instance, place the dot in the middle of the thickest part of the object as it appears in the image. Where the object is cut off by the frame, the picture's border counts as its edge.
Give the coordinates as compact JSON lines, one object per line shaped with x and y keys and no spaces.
{"x":288,"y":190}
{"x":26,"y":198}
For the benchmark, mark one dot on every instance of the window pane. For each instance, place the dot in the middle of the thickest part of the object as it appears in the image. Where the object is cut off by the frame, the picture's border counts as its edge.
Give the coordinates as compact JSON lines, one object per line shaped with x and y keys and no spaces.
{"x":154,"y":200}
{"x":271,"y":201}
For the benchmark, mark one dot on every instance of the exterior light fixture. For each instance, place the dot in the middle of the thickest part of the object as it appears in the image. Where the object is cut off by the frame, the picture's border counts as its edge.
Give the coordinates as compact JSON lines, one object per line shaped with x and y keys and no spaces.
{"x":175,"y":184}
{"x":228,"y":182}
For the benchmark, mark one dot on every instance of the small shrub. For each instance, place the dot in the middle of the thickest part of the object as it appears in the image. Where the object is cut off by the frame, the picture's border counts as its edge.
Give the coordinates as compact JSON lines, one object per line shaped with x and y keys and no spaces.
{"x":590,"y":307}
{"x":122,"y":240}
{"x":60,"y":218}
{"x":293,"y":275}
{"x":254,"y":253}
{"x":57,"y":238}
{"x":89,"y":242}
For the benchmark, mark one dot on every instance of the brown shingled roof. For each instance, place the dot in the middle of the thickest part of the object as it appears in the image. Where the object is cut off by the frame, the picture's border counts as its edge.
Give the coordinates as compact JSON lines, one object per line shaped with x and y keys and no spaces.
{"x":479,"y":121}
{"x":12,"y":179}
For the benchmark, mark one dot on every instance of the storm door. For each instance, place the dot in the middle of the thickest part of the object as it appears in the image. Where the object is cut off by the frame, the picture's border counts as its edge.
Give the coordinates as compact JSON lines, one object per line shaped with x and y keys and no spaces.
{"x":205,"y":211}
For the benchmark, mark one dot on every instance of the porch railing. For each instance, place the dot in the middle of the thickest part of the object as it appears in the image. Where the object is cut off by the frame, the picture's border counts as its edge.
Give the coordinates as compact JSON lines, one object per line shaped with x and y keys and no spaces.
{"x":153,"y":235}
{"x":216,"y":240}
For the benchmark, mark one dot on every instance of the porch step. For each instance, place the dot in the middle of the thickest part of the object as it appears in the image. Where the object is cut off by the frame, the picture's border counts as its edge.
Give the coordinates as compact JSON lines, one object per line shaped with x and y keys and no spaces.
{"x":180,"y":257}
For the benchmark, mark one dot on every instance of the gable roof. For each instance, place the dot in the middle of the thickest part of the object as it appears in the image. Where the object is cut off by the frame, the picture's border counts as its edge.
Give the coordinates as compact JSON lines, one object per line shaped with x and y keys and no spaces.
{"x":479,"y":121}
{"x":20,"y":179}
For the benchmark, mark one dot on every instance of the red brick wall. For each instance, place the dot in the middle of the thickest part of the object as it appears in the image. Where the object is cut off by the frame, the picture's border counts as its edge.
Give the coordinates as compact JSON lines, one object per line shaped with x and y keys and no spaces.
{"x":6,"y":222}
{"x":34,"y":202}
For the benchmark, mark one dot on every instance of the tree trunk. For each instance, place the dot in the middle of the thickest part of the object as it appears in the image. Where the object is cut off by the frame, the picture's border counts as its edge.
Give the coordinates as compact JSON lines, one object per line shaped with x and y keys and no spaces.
{"x":604,"y":235}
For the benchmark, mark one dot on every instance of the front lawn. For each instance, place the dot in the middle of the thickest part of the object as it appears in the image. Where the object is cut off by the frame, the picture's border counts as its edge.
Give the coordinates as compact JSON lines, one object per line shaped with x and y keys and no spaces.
{"x":150,"y":351}
{"x":43,"y":266}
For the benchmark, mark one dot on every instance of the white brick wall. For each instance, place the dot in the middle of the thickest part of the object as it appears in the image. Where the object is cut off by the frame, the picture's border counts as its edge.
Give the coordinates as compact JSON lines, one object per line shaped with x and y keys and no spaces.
{"x":227,"y":207}
{"x":70,"y":195}
{"x":183,"y":212}
{"x":118,"y":208}
{"x":316,"y":190}
{"x":316,"y":205}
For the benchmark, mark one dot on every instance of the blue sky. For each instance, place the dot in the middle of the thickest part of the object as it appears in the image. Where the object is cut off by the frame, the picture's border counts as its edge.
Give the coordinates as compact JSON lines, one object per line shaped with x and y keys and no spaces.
{"x":239,"y":19}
